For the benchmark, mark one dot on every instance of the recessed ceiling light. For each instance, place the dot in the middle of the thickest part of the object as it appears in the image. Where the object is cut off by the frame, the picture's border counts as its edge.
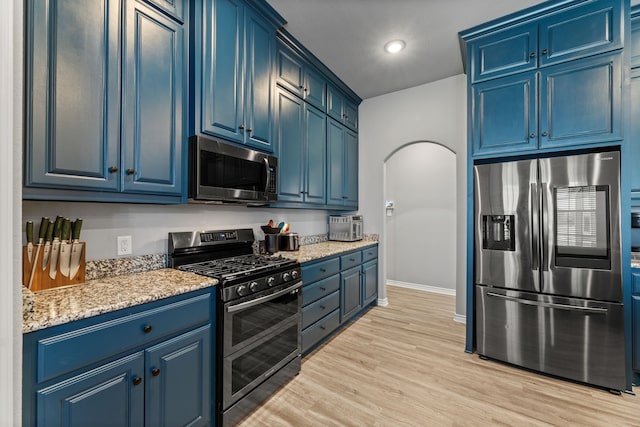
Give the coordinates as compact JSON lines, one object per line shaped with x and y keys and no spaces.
{"x":394,"y":46}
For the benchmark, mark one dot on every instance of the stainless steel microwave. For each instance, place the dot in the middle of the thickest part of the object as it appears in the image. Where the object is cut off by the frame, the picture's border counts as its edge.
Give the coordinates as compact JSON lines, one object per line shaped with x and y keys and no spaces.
{"x":222,"y":172}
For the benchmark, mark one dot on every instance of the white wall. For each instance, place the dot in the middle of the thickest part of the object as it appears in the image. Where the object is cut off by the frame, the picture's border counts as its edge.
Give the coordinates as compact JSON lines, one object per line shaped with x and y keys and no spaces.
{"x":420,"y":235}
{"x":148,"y":225}
{"x":431,"y":112}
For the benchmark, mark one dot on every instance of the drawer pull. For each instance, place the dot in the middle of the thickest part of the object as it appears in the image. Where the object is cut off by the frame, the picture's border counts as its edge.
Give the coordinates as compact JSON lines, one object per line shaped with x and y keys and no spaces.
{"x":147,"y":329}
{"x":137,"y":381}
{"x":324,"y":270}
{"x":155,"y":372}
{"x":352,"y":259}
{"x":322,"y":307}
{"x":322,"y":327}
{"x":323,"y":289}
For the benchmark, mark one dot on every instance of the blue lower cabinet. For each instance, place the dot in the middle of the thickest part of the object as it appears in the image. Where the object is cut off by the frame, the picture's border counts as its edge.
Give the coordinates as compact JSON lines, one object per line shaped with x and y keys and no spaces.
{"x":111,"y":395}
{"x":350,"y":293}
{"x":634,"y":141}
{"x":369,"y":282}
{"x":159,"y":375}
{"x":636,"y":333}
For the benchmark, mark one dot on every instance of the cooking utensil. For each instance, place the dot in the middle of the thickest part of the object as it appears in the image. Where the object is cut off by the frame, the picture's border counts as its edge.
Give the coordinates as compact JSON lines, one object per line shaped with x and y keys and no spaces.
{"x":47,"y":245}
{"x":29,"y":230}
{"x":55,"y":248}
{"x":76,"y":248}
{"x":269,"y":230}
{"x":41,"y":234}
{"x":65,"y":248}
{"x":271,"y":243}
{"x":289,"y":242}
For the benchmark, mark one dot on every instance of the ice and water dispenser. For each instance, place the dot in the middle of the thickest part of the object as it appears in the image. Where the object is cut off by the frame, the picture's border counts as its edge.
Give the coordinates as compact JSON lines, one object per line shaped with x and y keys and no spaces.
{"x":498,"y":232}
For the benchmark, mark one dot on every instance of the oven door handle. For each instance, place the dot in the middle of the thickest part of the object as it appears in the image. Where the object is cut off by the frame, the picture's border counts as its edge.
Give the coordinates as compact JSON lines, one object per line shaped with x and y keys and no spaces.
{"x":257,"y":301}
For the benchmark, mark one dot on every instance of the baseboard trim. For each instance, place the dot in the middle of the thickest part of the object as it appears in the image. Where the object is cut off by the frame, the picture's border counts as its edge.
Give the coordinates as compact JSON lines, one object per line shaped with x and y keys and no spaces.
{"x":426,"y":288}
{"x":460,"y":318}
{"x":383,"y":302}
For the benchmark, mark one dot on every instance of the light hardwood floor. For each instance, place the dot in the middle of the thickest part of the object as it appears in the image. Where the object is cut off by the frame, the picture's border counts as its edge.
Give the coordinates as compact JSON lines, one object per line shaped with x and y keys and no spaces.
{"x":405,"y":365}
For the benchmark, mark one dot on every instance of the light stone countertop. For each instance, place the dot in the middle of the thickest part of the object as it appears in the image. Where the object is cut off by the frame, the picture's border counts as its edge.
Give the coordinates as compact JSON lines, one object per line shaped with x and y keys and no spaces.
{"x":635,"y":259}
{"x":324,"y":249}
{"x":66,"y":304}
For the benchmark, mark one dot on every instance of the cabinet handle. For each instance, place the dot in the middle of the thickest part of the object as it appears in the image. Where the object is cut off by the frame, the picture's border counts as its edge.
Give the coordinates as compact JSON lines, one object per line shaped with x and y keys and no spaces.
{"x":352,"y":259}
{"x":147,"y":329}
{"x":155,"y":372}
{"x":137,"y":381}
{"x":130,"y":171}
{"x":113,"y":169}
{"x":544,"y":51}
{"x":344,"y":197}
{"x":301,"y":87}
{"x":532,"y":55}
{"x":305,"y":89}
{"x":323,"y":289}
{"x":545,"y":133}
{"x":322,"y":307}
{"x":322,"y":327}
{"x":324,"y":270}
{"x":241,"y":127}
{"x":532,"y":135}
{"x":249,"y":130}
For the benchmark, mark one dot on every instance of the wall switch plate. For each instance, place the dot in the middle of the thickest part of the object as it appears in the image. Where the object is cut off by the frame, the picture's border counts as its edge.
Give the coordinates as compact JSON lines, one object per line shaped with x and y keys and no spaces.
{"x":124,"y":245}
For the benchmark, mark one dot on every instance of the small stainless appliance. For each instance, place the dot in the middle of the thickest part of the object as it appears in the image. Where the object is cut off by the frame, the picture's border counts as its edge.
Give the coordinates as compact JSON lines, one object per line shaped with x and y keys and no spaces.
{"x":259,"y":317}
{"x":345,"y":228}
{"x":548,"y":266}
{"x":221,"y":172}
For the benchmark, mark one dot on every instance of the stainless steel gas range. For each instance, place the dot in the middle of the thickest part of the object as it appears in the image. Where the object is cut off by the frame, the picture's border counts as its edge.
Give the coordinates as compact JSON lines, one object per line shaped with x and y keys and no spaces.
{"x":258,"y":346}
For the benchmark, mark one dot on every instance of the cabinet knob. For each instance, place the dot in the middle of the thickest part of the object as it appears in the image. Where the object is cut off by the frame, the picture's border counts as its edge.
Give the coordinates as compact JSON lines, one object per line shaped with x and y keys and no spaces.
{"x":306,"y":90}
{"x":147,"y":329}
{"x":532,"y":135}
{"x":322,"y":327}
{"x":113,"y":169}
{"x":249,"y":130}
{"x":352,"y":259}
{"x":345,"y":197}
{"x":324,"y":270}
{"x":155,"y":372}
{"x":544,"y":51}
{"x":137,"y":381}
{"x":323,"y":289}
{"x":301,"y":87}
{"x":322,"y":307}
{"x":131,"y":171}
{"x":532,"y":55}
{"x":545,"y":133}
{"x":241,"y":127}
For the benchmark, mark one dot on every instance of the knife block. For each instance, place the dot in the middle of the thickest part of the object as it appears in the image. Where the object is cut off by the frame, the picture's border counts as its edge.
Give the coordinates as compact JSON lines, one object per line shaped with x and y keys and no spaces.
{"x":41,"y":278}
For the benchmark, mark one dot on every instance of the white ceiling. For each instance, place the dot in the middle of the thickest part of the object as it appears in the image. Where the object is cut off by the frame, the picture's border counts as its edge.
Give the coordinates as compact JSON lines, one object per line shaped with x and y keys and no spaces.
{"x":348,"y":37}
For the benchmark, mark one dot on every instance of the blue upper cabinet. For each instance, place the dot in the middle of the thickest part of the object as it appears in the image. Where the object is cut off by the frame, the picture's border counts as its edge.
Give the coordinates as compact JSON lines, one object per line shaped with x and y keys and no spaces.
{"x":299,"y":77}
{"x":152,"y":108}
{"x":547,"y":78}
{"x":634,"y":140}
{"x":104,"y":102}
{"x":341,"y":108}
{"x":635,"y":37}
{"x":173,"y":8}
{"x":342,"y":166}
{"x":234,"y":65}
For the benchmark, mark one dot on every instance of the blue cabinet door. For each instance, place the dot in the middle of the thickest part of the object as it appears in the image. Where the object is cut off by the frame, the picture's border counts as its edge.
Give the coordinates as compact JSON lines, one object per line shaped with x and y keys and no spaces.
{"x":350,"y":293}
{"x":178,"y":380}
{"x":174,"y":8}
{"x":153,"y":100}
{"x":290,"y":140}
{"x":315,"y":157}
{"x":260,"y":54}
{"x":289,"y":70}
{"x":335,"y":103}
{"x":634,"y":140}
{"x":111,"y":395}
{"x":635,"y":36}
{"x":505,"y":114}
{"x":636,"y":332}
{"x":581,"y":101}
{"x":350,"y":185}
{"x":369,"y":282}
{"x":315,"y":88}
{"x":72,"y":122}
{"x":222,"y":97}
{"x":335,"y":163}
{"x":351,"y":115}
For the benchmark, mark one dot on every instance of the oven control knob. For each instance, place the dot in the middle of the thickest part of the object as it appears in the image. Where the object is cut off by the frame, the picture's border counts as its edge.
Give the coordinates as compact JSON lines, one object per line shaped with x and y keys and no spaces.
{"x":294,"y":274}
{"x":286,"y":276}
{"x":253,"y":286}
{"x":241,"y":290}
{"x":271,"y":281}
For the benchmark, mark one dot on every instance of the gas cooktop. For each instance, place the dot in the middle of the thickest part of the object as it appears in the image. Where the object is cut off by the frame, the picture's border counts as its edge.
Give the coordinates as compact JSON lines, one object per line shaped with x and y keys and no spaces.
{"x":238,"y":266}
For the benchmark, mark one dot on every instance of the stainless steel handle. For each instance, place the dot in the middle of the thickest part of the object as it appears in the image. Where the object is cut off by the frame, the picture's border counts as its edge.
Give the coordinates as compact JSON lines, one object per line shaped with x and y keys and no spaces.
{"x":546,"y":229}
{"x":257,"y":301}
{"x":535,"y":224}
{"x":268,"y":172}
{"x":588,"y":310}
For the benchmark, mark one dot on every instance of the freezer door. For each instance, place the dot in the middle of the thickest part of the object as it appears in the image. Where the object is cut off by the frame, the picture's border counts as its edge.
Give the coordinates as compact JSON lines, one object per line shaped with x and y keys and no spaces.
{"x":581,"y":226}
{"x":572,"y":338}
{"x":506,"y":224}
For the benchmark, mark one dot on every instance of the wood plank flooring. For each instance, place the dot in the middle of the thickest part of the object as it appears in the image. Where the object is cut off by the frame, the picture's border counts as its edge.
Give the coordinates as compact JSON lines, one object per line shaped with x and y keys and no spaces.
{"x":405,"y":365}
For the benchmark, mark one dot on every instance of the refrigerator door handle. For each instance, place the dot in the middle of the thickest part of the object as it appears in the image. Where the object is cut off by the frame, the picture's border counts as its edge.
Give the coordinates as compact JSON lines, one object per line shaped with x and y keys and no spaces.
{"x":586,"y":310}
{"x":546,"y":227}
{"x":535,"y":235}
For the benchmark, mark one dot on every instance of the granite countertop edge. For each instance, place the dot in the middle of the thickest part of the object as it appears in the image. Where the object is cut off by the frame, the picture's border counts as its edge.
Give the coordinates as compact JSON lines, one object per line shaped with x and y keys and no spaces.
{"x":100,"y":296}
{"x":316,"y":251}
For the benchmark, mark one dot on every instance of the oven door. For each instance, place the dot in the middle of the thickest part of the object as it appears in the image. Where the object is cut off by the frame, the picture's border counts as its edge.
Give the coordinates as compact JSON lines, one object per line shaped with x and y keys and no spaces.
{"x":261,"y":335}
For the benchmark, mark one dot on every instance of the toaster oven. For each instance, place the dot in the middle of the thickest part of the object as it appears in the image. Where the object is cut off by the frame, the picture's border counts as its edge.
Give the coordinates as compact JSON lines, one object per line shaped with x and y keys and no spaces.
{"x":345,"y":228}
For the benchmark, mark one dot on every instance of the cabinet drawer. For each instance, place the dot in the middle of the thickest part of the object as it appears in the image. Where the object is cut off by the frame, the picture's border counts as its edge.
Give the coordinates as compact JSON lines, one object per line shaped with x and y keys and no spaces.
{"x":320,"y":270}
{"x":316,"y":332}
{"x":635,"y":282}
{"x":636,"y":333}
{"x":320,"y":289}
{"x":314,"y":312}
{"x":72,"y":350}
{"x":350,"y":260}
{"x":369,"y":253}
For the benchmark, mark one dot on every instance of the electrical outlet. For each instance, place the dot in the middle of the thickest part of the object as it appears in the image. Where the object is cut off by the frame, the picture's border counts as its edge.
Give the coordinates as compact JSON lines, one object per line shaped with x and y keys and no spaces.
{"x":124,"y":245}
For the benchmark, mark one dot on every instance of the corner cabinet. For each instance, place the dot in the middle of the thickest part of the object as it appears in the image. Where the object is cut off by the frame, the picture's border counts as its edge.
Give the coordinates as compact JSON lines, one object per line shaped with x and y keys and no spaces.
{"x":148,"y":365}
{"x":105,"y":96}
{"x":234,"y":65}
{"x":335,"y":290}
{"x":553,"y":82}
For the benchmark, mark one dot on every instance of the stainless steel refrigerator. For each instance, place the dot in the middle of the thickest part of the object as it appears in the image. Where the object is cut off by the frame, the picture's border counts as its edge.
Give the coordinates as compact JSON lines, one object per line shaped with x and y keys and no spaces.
{"x":548,"y":279}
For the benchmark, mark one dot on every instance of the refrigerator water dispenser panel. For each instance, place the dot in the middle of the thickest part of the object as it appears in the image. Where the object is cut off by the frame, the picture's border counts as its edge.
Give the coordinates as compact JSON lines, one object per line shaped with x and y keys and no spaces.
{"x":498,"y":232}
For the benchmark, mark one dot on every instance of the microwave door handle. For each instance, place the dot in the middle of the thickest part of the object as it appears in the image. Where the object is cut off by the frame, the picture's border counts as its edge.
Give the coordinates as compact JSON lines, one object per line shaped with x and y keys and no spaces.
{"x":268,"y":180}
{"x":257,"y":301}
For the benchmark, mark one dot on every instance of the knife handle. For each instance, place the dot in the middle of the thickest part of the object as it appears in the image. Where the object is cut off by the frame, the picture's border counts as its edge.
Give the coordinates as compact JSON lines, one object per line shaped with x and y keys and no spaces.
{"x":66,"y":229}
{"x":77,"y":226}
{"x":57,"y":229}
{"x":29,"y":231}
{"x":43,"y":228}
{"x":49,"y":236}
